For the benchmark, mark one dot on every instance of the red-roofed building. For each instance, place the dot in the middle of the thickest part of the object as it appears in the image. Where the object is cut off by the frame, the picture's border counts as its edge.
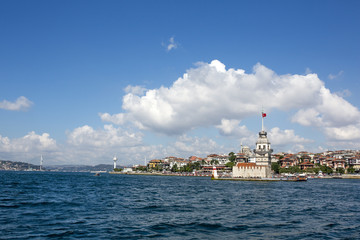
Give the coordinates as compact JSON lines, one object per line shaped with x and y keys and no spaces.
{"x":306,"y":165}
{"x":288,"y":160}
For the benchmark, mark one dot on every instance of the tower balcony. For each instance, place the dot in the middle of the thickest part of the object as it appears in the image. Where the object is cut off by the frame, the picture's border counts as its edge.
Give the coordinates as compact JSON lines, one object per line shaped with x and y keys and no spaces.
{"x":263,"y":151}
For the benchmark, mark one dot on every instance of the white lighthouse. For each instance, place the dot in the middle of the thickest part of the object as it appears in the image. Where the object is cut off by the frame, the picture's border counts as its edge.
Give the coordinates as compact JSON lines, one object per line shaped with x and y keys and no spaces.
{"x":115,"y":159}
{"x":41,"y":162}
{"x":214,"y":173}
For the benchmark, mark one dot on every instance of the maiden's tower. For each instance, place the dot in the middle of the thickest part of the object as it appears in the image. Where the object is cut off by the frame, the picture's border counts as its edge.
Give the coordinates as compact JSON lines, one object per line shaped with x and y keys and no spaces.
{"x":262,"y":166}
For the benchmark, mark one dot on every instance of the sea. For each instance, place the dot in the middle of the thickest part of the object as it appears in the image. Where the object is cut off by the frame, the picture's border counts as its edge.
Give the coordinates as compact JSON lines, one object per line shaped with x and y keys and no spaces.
{"x":57,"y":205}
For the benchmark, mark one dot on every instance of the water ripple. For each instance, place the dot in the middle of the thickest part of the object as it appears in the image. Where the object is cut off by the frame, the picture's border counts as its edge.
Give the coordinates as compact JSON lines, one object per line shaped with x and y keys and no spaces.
{"x":79,"y":205}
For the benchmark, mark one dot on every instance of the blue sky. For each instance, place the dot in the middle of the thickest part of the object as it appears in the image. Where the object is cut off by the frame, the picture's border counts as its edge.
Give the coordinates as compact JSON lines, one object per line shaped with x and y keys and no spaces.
{"x":84,"y":80}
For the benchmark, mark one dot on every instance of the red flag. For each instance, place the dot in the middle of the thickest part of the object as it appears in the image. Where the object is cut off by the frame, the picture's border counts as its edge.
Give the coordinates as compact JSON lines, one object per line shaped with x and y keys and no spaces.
{"x":263,"y":115}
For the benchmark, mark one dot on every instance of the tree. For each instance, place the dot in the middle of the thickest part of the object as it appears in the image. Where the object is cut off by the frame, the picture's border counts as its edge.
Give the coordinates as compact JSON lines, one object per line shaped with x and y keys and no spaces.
{"x":232,"y":157}
{"x":197,"y":165}
{"x":187,"y":168}
{"x":351,"y":169}
{"x":295,"y":169}
{"x":214,"y":162}
{"x":284,"y":170}
{"x":326,"y":169}
{"x":292,"y":169}
{"x":275,"y":167}
{"x":316,"y":170}
{"x":158,"y":168}
{"x":329,"y":170}
{"x":141,"y":168}
{"x":340,"y":170}
{"x":174,"y":168}
{"x":230,"y":164}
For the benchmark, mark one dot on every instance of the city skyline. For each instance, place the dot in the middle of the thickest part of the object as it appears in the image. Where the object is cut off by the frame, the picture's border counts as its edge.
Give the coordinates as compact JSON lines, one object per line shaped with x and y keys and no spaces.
{"x":84,"y":81}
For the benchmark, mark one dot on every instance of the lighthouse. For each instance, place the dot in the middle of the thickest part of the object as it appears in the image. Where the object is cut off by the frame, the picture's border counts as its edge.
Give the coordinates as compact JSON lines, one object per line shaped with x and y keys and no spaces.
{"x":115,"y":159}
{"x":41,"y":162}
{"x":214,"y":173}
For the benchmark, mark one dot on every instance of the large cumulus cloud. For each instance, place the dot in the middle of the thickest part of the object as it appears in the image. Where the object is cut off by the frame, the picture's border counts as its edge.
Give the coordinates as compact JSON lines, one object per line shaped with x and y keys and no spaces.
{"x":337,"y":118}
{"x":211,"y":95}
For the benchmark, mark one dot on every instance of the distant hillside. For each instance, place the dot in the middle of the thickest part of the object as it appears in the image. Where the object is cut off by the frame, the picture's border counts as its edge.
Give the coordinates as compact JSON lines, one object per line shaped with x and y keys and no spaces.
{"x":80,"y":168}
{"x":22,"y":166}
{"x":17,"y":166}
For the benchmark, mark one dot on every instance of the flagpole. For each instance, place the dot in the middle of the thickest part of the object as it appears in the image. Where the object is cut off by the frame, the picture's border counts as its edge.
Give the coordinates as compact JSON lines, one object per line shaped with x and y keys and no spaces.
{"x":262,"y":119}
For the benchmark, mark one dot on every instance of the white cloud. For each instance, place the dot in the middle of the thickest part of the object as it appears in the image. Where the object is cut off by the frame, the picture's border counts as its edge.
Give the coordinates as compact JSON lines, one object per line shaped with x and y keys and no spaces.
{"x":345,"y":133}
{"x":186,"y":146}
{"x":308,"y":117}
{"x":344,"y":93}
{"x":308,"y":71}
{"x":334,"y":76}
{"x":342,"y":145}
{"x":209,"y":93}
{"x":27,"y":148}
{"x":31,"y":142}
{"x":107,"y":137}
{"x":138,"y":90}
{"x":21,"y":104}
{"x":280,"y":137}
{"x":232,"y":128}
{"x":88,"y":145}
{"x":171,"y":44}
{"x":333,"y":115}
{"x":118,"y":119}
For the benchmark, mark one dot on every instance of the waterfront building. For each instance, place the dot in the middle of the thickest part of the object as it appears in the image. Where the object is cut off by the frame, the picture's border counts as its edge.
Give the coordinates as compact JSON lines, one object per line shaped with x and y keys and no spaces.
{"x":355,"y":162}
{"x":179,"y":162}
{"x":338,"y":163}
{"x":127,"y":170}
{"x":289,"y":160}
{"x":241,"y":158}
{"x":306,"y":165}
{"x":155,"y":163}
{"x":215,"y":159}
{"x":261,"y":168}
{"x":195,"y":159}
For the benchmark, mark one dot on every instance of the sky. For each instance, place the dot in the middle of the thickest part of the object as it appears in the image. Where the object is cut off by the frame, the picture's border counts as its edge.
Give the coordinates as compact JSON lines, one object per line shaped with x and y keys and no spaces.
{"x":83,"y":81}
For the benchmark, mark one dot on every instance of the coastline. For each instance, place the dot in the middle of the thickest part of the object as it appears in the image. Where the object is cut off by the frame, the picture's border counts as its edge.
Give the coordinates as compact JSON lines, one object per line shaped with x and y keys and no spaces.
{"x":162,"y":174}
{"x":344,"y":176}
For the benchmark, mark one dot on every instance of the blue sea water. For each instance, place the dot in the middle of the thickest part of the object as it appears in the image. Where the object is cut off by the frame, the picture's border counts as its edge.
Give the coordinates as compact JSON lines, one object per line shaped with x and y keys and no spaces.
{"x":44,"y":205}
